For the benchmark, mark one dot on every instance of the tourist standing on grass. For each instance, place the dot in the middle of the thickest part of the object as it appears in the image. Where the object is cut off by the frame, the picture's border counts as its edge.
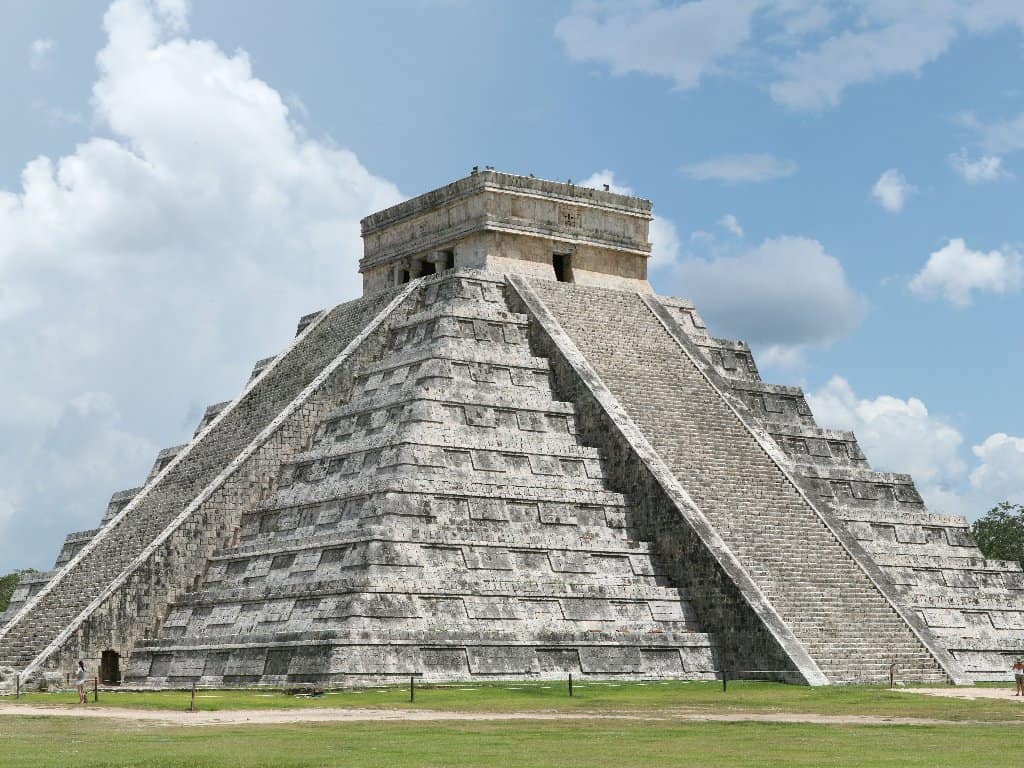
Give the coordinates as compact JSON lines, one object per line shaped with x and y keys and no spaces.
{"x":1018,"y":675}
{"x":80,"y":683}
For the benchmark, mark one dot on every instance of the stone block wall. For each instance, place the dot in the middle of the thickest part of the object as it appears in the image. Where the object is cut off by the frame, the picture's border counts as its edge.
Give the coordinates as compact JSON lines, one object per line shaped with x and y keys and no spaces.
{"x":972,"y":607}
{"x":148,"y":553}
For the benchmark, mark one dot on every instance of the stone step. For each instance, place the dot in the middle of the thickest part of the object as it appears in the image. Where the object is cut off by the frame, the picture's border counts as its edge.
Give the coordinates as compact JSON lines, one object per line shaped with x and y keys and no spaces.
{"x":815,"y":585}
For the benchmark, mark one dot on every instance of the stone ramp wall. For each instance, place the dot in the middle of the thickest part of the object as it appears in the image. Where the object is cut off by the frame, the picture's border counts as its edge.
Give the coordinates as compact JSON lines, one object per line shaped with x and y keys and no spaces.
{"x":31,"y":584}
{"x":124,"y":596}
{"x":824,"y":596}
{"x":750,"y":639}
{"x":844,"y":460}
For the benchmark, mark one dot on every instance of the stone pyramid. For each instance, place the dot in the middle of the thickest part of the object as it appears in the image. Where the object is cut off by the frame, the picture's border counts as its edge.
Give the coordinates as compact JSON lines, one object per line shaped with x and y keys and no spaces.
{"x":510,"y":459}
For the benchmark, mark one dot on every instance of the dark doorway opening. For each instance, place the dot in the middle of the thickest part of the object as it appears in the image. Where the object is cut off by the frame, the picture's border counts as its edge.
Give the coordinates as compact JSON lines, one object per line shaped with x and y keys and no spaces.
{"x":110,"y":668}
{"x":405,"y":276}
{"x":429,"y":268}
{"x":562,"y":262}
{"x":449,"y":259}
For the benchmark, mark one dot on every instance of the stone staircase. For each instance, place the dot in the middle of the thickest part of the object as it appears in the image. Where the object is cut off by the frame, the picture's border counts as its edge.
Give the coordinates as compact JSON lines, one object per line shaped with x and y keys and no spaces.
{"x":829,"y":602}
{"x":51,"y":616}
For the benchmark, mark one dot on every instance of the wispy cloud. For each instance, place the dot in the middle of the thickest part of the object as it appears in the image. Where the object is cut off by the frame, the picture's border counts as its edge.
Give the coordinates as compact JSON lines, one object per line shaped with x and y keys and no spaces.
{"x":808,"y":53}
{"x":735,"y":169}
{"x":985,"y":168}
{"x":58,"y":115}
{"x":892,"y":190}
{"x":39,"y":52}
{"x":683,"y":42}
{"x":731,"y":224}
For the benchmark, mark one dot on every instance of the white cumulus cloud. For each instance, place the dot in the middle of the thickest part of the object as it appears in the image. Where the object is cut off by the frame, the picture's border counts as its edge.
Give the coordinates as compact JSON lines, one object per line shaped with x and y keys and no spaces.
{"x":154,"y":264}
{"x":985,"y":168}
{"x":892,"y":190}
{"x":735,"y":169}
{"x":1001,"y":472}
{"x":897,"y":435}
{"x":956,"y":273}
{"x":901,"y":435}
{"x":784,"y":295}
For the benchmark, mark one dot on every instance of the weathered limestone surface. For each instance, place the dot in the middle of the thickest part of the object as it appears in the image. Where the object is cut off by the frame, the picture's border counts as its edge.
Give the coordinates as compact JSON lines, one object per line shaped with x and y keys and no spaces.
{"x":117,"y":586}
{"x":446,"y":521}
{"x":751,"y":639}
{"x":477,"y":472}
{"x":974,"y":607}
{"x":822,"y":594}
{"x":510,"y":224}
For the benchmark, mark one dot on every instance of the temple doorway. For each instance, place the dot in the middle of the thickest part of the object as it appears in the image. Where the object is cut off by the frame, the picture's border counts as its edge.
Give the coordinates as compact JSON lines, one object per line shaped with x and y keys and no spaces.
{"x":562,"y":262}
{"x":110,"y":668}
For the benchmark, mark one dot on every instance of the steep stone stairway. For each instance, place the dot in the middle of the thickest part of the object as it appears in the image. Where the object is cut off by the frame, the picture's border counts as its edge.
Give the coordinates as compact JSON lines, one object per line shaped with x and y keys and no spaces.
{"x":90,"y":573}
{"x":829,"y":602}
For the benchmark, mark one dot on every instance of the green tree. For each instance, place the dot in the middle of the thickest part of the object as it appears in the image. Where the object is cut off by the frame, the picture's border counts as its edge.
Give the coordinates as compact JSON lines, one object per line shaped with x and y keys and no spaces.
{"x":8,"y":584}
{"x":1000,"y":532}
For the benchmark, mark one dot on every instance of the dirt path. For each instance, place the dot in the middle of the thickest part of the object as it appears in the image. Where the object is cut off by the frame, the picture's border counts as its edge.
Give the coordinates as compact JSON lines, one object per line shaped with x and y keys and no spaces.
{"x":967,"y":693}
{"x":290,"y":716}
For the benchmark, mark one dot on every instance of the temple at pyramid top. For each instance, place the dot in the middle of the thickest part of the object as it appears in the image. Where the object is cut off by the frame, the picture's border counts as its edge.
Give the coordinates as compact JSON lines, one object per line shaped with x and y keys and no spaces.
{"x":505,"y":223}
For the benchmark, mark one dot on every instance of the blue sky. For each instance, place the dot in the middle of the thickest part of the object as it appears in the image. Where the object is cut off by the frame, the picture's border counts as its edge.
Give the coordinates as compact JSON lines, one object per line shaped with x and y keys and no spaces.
{"x":838,"y":183}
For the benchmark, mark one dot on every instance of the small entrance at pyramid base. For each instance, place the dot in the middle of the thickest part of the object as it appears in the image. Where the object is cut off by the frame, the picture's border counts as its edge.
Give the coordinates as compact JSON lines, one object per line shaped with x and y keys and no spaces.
{"x":110,"y":668}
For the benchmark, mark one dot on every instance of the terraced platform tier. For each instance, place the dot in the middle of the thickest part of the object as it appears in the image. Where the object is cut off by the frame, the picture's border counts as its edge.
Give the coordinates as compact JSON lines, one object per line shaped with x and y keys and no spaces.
{"x":446,"y":521}
{"x":973,"y":607}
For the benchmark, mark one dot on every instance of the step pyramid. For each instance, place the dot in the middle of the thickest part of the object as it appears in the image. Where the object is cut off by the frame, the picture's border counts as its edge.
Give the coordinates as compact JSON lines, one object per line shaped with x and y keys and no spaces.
{"x":446,"y":521}
{"x":510,"y":459}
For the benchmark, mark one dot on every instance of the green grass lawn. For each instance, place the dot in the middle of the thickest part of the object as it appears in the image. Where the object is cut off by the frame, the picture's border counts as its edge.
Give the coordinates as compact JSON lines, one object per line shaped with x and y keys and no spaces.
{"x":590,"y":697}
{"x":41,"y":741}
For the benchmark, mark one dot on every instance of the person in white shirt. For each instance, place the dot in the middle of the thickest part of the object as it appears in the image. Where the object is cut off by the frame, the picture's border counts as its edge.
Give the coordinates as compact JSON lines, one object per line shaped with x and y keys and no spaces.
{"x":80,"y":683}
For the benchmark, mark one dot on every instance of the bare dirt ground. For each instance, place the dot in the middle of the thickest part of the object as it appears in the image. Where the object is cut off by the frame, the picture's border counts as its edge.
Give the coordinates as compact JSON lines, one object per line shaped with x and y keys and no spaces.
{"x":968,"y":693}
{"x":291,"y":716}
